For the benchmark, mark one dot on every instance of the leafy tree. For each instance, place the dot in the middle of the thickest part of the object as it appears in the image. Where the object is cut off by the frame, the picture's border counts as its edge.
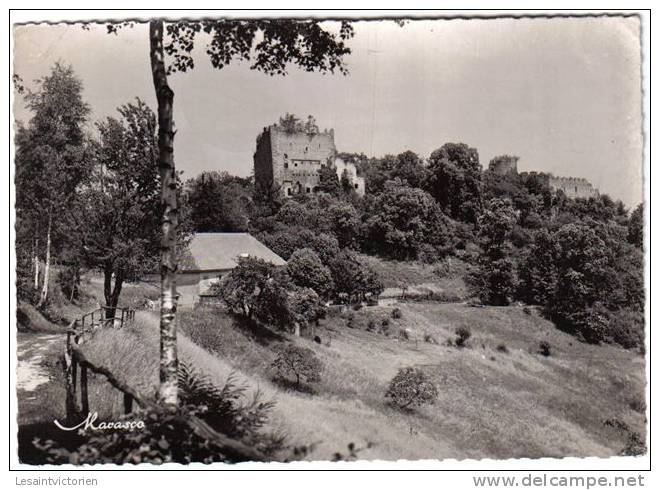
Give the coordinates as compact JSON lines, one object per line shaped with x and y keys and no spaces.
{"x":406,"y":166}
{"x":51,"y":160}
{"x":306,"y":270}
{"x":345,"y":223}
{"x":259,"y":291}
{"x":241,"y":288}
{"x":298,"y":362}
{"x":636,"y":226}
{"x":271,"y":46}
{"x":454,"y":180}
{"x":537,"y":272}
{"x":219,"y":202}
{"x":494,"y":280}
{"x":112,"y":221}
{"x":411,"y":387}
{"x":329,"y":181}
{"x":409,"y":168}
{"x":402,"y":219}
{"x":353,"y":279}
{"x":284,"y":242}
{"x":585,"y":275}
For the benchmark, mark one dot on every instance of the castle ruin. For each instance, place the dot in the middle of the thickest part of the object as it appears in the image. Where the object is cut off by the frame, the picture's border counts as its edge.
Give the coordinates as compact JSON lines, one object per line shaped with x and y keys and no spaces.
{"x":573,"y":187}
{"x":290,"y":154}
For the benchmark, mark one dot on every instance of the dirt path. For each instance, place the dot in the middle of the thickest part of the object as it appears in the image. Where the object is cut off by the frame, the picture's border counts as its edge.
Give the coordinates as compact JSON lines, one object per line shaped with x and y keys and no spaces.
{"x":38,"y":354}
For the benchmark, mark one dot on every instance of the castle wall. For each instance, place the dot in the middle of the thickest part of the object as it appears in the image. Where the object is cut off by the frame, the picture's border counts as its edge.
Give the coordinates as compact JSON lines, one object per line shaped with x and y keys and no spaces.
{"x":358,"y":182}
{"x":297,"y":158}
{"x":504,"y":165}
{"x":573,"y":187}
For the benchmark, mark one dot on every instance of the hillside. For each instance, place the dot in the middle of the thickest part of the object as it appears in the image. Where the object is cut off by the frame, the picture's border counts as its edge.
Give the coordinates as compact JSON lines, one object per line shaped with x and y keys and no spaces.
{"x":582,"y":400}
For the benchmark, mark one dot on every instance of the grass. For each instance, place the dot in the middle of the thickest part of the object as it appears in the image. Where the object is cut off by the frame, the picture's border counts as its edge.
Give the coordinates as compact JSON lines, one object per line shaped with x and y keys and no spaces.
{"x":491,"y":405}
{"x":443,"y":280}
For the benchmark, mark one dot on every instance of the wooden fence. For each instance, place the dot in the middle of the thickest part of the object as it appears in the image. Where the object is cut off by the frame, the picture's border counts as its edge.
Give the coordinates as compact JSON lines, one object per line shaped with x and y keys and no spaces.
{"x":76,"y":360}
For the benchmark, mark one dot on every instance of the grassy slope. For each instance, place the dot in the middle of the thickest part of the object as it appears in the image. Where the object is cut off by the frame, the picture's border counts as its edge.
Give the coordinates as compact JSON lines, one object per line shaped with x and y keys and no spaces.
{"x":491,"y":404}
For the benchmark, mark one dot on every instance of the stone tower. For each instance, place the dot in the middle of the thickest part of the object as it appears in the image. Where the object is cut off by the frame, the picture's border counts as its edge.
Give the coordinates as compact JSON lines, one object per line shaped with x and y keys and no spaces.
{"x":291,"y":153}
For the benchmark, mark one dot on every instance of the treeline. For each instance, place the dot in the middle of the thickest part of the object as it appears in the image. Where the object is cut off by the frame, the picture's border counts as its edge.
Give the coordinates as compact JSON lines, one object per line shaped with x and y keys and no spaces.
{"x":579,"y":259}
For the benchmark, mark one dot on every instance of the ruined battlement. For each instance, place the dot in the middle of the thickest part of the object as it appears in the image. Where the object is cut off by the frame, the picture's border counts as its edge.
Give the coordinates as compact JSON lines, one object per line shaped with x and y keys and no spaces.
{"x":573,"y":187}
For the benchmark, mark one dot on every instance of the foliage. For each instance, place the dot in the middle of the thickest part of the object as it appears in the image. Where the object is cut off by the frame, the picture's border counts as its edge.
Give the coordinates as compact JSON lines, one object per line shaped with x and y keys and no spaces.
{"x":113,"y":222}
{"x":52,"y":161}
{"x":299,"y":363}
{"x":454,"y":180}
{"x":241,"y":289}
{"x":411,"y":387}
{"x":545,"y":348}
{"x":167,"y":436}
{"x":219,"y":202}
{"x":463,"y":334}
{"x":493,"y":280}
{"x":402,"y":219}
{"x":256,"y":290}
{"x":406,"y":166}
{"x":353,"y":279}
{"x":329,"y":181}
{"x":286,"y":241}
{"x":636,"y":226}
{"x":537,"y":272}
{"x":306,"y":270}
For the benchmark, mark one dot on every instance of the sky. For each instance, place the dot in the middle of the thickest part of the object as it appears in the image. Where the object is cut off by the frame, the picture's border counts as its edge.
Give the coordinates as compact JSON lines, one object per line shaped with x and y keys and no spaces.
{"x":563,"y":94}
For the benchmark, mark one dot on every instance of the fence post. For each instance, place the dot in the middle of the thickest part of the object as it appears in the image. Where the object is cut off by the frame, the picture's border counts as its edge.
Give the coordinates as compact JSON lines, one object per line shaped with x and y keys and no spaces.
{"x":70,"y":402}
{"x":128,"y":403}
{"x":84,"y":397}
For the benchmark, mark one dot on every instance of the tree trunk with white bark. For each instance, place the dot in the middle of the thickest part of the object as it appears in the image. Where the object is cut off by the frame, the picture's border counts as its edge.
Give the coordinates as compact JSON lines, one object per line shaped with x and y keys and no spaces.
{"x":168,"y":268}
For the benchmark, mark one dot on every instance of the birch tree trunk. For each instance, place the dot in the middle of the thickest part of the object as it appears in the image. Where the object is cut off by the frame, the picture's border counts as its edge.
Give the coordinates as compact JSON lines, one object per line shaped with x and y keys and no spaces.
{"x":168,"y":266}
{"x":35,"y":259}
{"x":44,"y":290}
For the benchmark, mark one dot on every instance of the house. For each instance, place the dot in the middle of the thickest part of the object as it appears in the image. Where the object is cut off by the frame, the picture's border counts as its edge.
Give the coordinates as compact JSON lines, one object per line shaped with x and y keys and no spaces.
{"x":212,"y":255}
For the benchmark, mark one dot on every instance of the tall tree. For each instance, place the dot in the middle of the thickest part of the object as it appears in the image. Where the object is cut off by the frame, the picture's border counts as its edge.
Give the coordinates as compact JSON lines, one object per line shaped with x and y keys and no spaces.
{"x":455,"y":180}
{"x":271,"y":46}
{"x":50,"y":158}
{"x":112,"y":219}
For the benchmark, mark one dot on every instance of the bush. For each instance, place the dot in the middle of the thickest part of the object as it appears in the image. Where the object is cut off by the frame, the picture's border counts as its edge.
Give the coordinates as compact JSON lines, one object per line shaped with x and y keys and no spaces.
{"x":299,"y":363}
{"x":396,"y":313}
{"x":544,"y":348}
{"x":430,"y":339}
{"x":503,"y":349}
{"x":411,"y":387}
{"x":462,"y":336}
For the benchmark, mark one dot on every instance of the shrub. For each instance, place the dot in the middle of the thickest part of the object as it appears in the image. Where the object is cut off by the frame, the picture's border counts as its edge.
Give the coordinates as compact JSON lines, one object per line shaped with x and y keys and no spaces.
{"x":411,"y":387}
{"x":462,"y":336}
{"x":430,"y":339}
{"x":371,"y":325}
{"x":544,"y":348}
{"x":396,"y":313}
{"x":503,"y":348}
{"x":299,"y":363}
{"x":404,"y":334}
{"x":385,"y":322}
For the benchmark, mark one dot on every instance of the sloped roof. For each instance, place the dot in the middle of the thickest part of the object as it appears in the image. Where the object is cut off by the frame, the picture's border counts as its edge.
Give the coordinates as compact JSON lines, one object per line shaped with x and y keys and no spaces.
{"x":218,"y":251}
